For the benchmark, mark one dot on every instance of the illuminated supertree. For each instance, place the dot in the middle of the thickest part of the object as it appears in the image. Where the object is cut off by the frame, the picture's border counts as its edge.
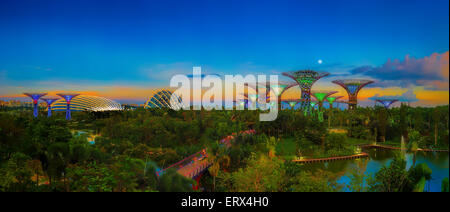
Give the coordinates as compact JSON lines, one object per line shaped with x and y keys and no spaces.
{"x":332,"y":99}
{"x":352,"y":86}
{"x":292,"y":104}
{"x":250,"y":98}
{"x":305,"y":79}
{"x":253,"y":98}
{"x":256,"y":87}
{"x":320,"y":96}
{"x":278,"y":89}
{"x":386,"y":102}
{"x":68,"y":97}
{"x":49,"y":101}
{"x":312,"y":104}
{"x":35,"y":97}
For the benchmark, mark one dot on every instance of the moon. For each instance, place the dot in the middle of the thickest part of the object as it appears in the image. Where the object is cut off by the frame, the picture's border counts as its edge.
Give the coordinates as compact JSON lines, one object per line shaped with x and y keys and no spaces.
{"x":320,"y":61}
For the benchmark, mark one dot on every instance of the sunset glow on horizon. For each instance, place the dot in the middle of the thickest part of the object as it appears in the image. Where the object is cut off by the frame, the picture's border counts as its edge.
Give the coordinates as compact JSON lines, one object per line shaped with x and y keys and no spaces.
{"x":48,"y":47}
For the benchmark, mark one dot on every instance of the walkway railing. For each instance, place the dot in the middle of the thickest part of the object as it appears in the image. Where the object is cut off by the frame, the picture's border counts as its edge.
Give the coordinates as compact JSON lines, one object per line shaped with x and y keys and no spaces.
{"x":198,"y":162}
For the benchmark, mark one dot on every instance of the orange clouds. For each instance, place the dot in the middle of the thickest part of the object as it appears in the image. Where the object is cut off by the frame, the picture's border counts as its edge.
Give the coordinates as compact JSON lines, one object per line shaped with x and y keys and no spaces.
{"x":431,"y":71}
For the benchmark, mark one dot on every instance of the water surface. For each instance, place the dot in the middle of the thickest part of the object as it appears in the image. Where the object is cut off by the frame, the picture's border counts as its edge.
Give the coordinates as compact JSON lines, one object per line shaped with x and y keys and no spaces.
{"x":437,"y":161}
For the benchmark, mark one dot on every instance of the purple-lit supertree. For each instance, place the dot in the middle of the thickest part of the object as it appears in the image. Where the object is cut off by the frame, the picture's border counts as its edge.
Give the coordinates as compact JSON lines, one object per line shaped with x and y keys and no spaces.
{"x":49,"y":101}
{"x":68,"y":97}
{"x":35,"y":97}
{"x":352,"y":86}
{"x":305,"y":79}
{"x":386,"y":102}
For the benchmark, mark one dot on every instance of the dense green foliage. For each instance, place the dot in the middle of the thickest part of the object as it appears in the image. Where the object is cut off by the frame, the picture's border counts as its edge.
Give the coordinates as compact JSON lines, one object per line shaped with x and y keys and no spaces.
{"x":51,"y":154}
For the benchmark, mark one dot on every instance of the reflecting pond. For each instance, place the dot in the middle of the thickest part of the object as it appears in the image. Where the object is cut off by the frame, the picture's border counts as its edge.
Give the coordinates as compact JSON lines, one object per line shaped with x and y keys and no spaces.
{"x":437,"y":161}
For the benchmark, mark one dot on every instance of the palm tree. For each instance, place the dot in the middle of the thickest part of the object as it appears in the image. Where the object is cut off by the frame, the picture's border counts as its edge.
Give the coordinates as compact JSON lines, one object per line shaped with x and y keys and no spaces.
{"x":219,"y":159}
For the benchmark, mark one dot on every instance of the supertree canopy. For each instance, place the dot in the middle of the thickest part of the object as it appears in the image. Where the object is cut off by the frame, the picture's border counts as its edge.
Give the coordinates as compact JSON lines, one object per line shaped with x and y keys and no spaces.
{"x":35,"y":97}
{"x":256,"y":87}
{"x":386,"y":102}
{"x":241,"y":103}
{"x":68,"y":97}
{"x":161,"y":99}
{"x":253,"y":97}
{"x":352,"y":86}
{"x":278,"y":89}
{"x":321,"y":96}
{"x":292,"y":104}
{"x":332,"y":99}
{"x":49,"y":101}
{"x":305,"y":79}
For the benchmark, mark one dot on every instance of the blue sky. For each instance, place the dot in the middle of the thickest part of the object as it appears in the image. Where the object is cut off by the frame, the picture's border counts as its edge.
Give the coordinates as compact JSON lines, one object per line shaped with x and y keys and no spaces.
{"x":125,"y":43}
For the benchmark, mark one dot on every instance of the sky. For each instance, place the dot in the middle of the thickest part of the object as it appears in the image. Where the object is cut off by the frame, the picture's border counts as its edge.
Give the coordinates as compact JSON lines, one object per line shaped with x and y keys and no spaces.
{"x":125,"y":50}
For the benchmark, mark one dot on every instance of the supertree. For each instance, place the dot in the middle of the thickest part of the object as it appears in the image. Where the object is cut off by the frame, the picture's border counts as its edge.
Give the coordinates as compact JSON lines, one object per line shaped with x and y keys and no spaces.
{"x":312,"y":104}
{"x":320,"y":96}
{"x":386,"y":102}
{"x":49,"y":101}
{"x":305,"y":79}
{"x":250,"y":98}
{"x":292,"y":102}
{"x":240,"y":104}
{"x":352,"y":86}
{"x":35,"y":97}
{"x":68,"y":97}
{"x":253,"y":98}
{"x":278,"y":89}
{"x":332,"y":99}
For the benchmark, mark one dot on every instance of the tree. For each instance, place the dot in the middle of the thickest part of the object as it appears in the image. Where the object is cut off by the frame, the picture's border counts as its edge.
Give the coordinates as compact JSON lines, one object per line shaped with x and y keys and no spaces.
{"x":262,"y":174}
{"x":308,"y":182}
{"x":58,"y":155}
{"x":36,"y":166}
{"x":17,"y":175}
{"x":219,"y":158}
{"x":336,"y":141}
{"x":392,"y":178}
{"x":418,"y":176}
{"x":444,"y":185}
{"x":403,"y":122}
{"x":382,"y":124}
{"x":171,"y":181}
{"x":436,"y":118}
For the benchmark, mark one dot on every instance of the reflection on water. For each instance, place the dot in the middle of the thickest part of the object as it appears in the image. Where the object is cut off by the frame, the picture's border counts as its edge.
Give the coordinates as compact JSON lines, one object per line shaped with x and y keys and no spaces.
{"x":437,"y":161}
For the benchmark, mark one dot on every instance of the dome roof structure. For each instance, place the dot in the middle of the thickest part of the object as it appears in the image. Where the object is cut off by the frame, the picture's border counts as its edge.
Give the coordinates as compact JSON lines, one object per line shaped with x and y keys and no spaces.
{"x":87,"y":103}
{"x":161,"y":99}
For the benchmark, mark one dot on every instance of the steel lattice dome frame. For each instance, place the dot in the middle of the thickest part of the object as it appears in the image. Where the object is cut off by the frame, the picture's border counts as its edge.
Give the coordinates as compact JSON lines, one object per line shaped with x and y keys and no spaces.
{"x":87,"y":103}
{"x":161,"y":99}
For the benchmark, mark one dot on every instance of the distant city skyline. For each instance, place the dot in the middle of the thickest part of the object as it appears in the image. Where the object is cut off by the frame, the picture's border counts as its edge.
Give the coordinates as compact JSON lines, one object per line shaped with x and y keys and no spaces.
{"x":126,"y":50}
